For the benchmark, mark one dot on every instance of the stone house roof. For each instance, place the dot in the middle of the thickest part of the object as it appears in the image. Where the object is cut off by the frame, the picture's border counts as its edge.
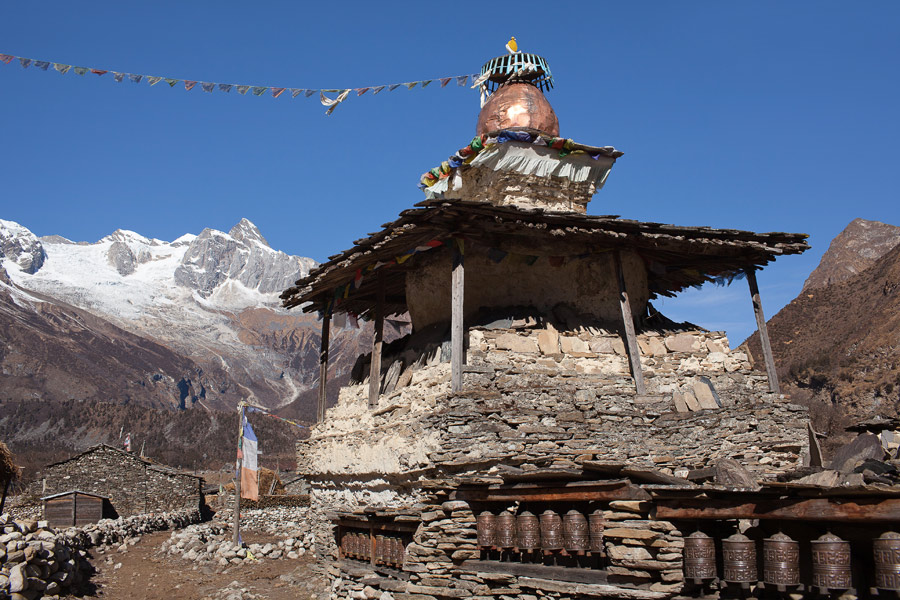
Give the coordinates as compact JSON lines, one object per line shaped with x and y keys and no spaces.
{"x":149,"y":463}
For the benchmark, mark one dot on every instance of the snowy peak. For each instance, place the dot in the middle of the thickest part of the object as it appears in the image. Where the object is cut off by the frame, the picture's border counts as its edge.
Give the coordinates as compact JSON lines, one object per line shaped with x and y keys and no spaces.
{"x":247,"y":232}
{"x":21,"y":247}
{"x":130,"y":237}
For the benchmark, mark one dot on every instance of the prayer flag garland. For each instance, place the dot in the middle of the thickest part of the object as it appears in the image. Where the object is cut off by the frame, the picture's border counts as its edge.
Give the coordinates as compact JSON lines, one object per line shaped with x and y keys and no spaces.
{"x":330,"y":103}
{"x":481,"y":142}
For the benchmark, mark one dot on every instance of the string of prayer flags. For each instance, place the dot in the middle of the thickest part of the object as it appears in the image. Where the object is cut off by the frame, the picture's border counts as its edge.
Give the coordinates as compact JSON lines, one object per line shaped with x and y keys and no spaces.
{"x":209,"y":87}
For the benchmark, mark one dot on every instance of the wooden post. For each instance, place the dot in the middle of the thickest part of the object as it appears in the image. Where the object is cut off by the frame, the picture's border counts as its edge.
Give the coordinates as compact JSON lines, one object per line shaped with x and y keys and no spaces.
{"x":763,"y":331}
{"x":323,"y":367}
{"x":375,"y":371}
{"x":237,"y":479}
{"x":634,"y":353}
{"x":457,"y":296}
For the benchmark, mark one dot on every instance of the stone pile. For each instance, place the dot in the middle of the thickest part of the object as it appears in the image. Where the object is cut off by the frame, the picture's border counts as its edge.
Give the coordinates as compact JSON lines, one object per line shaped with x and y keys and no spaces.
{"x":33,"y":563}
{"x":39,"y":561}
{"x":211,"y":543}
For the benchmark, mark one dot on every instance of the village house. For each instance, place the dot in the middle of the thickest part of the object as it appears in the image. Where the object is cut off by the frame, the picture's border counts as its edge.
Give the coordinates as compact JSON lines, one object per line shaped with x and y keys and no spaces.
{"x":544,"y":431}
{"x":131,"y":485}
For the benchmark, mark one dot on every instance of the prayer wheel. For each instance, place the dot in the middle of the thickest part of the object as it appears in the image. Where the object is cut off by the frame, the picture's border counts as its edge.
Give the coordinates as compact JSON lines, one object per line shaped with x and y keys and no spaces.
{"x":596,"y":525}
{"x":739,"y":558}
{"x":781,"y":560}
{"x":486,"y":525}
{"x":575,"y":532}
{"x":528,"y":532}
{"x":401,"y":552}
{"x":505,"y":532}
{"x":389,"y":550}
{"x":831,"y":562}
{"x":887,"y":561}
{"x":380,"y":554}
{"x":396,"y":552}
{"x":699,"y":557}
{"x":350,"y":545}
{"x":551,"y":531}
{"x":345,"y":544}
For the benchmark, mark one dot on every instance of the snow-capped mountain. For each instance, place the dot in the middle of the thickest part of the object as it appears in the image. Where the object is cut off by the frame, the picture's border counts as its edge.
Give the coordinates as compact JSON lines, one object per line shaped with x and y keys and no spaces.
{"x":212,"y":297}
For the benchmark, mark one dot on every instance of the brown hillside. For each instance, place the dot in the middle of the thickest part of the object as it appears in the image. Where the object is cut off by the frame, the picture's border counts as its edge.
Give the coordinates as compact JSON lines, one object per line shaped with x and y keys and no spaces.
{"x":837,"y":348}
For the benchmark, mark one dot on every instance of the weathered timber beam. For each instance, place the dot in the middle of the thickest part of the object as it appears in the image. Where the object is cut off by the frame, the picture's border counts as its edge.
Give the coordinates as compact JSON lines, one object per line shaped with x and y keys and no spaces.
{"x":323,"y":368}
{"x":567,"y":574}
{"x":763,"y":332}
{"x":634,"y":354}
{"x":552,"y":493}
{"x":375,"y":370}
{"x":814,"y":509}
{"x":456,"y":321}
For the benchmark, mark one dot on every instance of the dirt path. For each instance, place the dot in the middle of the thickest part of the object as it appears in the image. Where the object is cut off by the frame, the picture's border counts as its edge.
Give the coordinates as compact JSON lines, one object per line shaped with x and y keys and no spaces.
{"x":142,"y":572}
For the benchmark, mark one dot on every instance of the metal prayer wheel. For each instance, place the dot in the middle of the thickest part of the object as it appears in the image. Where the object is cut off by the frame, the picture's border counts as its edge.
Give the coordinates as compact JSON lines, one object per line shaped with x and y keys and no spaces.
{"x":699,"y":556}
{"x":596,"y":525}
{"x":365,"y":545}
{"x":781,"y":560}
{"x":400,"y":555}
{"x":380,"y":554}
{"x":831,"y":562}
{"x":345,"y":544}
{"x":505,"y":532}
{"x":887,"y":561}
{"x":739,"y":558}
{"x":528,"y":532}
{"x":349,"y":544}
{"x":388,"y":550}
{"x":575,"y":532}
{"x":551,"y":531}
{"x":486,"y":525}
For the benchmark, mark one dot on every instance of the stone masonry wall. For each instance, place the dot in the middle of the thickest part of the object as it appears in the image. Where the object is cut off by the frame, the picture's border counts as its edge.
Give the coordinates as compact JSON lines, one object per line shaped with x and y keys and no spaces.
{"x":564,"y":398}
{"x":132,"y":485}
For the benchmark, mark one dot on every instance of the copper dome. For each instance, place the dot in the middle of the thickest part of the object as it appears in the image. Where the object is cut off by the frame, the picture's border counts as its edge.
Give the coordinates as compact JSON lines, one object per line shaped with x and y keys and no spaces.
{"x":517,"y":105}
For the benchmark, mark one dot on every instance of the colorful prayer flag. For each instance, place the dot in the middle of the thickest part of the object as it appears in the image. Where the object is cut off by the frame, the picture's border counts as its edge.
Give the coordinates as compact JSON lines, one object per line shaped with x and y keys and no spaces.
{"x":189,"y":85}
{"x":361,"y":91}
{"x":309,"y":93}
{"x":411,"y":84}
{"x":171,"y":81}
{"x":225,"y":87}
{"x":461,"y":80}
{"x":277,"y":92}
{"x":80,"y":70}
{"x":296,"y":92}
{"x":426,"y":82}
{"x":242,"y":89}
{"x":445,"y":81}
{"x":118,"y":76}
{"x":249,"y":452}
{"x":99,"y":72}
{"x":332,"y":103}
{"x":42,"y":64}
{"x":394,"y":86}
{"x":62,"y":68}
{"x":24,"y":62}
{"x":135,"y":78}
{"x":154,"y":80}
{"x":375,"y":90}
{"x":6,"y":58}
{"x":207,"y":86}
{"x":259,"y":90}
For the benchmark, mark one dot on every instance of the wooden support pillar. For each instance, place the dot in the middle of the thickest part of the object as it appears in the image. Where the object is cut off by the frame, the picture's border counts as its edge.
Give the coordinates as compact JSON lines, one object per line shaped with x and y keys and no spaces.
{"x":763,"y":332}
{"x":323,"y":367}
{"x":634,"y":353}
{"x":375,"y":371}
{"x":236,"y":529}
{"x":457,"y":358}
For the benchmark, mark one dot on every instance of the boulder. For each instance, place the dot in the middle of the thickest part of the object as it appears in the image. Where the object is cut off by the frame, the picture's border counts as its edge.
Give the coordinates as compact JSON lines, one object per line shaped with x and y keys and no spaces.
{"x":731,"y":473}
{"x":852,"y":455}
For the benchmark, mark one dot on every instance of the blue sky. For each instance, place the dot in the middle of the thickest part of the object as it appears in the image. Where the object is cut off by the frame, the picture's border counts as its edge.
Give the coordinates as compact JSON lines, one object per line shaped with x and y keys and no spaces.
{"x":768,"y":116}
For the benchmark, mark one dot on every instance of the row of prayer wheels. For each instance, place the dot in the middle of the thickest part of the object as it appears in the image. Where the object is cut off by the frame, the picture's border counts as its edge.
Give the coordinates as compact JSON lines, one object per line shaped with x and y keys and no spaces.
{"x":389,"y":550}
{"x":573,"y":533}
{"x":781,"y":561}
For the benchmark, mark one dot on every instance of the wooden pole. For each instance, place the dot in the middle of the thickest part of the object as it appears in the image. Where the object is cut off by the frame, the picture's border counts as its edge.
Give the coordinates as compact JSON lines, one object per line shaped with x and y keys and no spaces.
{"x":375,"y":371}
{"x":323,"y":367}
{"x":237,"y":479}
{"x":457,"y":296}
{"x":763,"y":331}
{"x":634,"y":353}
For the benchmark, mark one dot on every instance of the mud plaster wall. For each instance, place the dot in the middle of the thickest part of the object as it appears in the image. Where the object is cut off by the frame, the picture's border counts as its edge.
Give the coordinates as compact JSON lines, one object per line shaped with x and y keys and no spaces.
{"x":588,"y":285}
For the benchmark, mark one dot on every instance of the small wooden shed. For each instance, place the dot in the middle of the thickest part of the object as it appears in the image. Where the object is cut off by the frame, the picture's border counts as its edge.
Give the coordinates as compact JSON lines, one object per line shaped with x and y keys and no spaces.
{"x":73,"y":508}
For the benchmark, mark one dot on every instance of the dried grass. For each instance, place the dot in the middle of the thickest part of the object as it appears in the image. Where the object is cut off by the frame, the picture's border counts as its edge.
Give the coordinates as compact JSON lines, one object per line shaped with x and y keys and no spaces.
{"x":8,"y":469}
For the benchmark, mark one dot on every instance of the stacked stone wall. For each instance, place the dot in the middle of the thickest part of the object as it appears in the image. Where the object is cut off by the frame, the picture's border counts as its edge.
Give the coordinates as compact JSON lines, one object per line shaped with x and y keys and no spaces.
{"x":132,"y":485}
